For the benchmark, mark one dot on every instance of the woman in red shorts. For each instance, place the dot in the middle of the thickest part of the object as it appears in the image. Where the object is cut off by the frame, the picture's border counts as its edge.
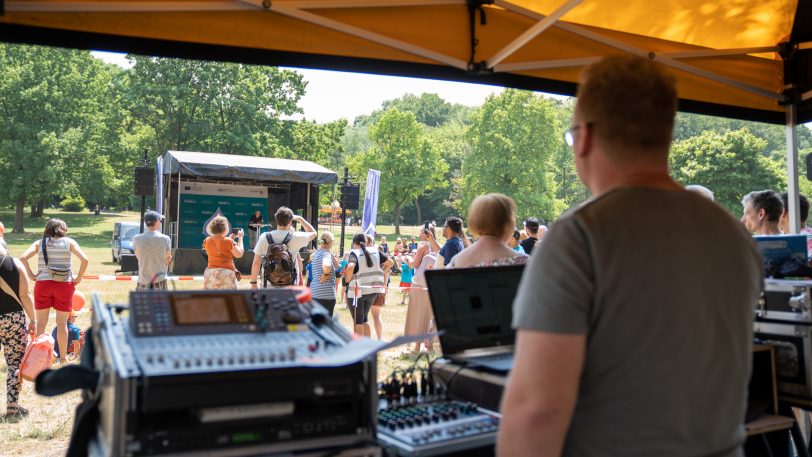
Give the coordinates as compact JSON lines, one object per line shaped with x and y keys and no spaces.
{"x":55,"y":279}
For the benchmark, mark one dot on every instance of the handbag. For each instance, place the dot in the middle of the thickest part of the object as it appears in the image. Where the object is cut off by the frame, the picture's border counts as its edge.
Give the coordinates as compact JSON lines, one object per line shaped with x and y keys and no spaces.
{"x":60,"y":274}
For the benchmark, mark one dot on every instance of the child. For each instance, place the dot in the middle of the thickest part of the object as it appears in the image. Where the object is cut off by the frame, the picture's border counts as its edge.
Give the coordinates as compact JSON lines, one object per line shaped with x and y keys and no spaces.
{"x":405,"y":280}
{"x":340,"y":281}
{"x":76,"y":339}
{"x":309,"y":273}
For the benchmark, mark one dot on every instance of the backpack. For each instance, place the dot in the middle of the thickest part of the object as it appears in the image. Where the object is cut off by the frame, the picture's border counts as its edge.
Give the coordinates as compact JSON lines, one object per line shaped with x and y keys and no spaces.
{"x":279,"y":266}
{"x":39,"y":356}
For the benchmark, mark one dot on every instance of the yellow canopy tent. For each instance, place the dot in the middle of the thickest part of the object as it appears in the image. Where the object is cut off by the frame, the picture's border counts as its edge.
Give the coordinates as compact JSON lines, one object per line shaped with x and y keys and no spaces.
{"x":735,"y":58}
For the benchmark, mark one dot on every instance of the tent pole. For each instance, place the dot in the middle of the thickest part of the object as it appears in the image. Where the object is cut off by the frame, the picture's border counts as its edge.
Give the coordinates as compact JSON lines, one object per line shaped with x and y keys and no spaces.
{"x":792,"y":168}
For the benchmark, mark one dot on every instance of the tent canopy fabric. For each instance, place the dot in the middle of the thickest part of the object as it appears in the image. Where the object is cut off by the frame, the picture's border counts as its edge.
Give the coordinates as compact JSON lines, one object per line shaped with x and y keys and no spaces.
{"x":227,"y":166}
{"x":736,"y":58}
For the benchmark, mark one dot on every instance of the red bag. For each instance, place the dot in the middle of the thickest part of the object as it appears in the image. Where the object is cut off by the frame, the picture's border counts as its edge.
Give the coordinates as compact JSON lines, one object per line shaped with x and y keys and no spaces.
{"x":38,"y":357}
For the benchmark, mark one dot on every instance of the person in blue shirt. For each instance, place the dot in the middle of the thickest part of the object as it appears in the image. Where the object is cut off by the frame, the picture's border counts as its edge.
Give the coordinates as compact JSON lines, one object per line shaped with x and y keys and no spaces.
{"x":456,"y":240}
{"x":405,"y":280}
{"x":309,"y":273}
{"x":340,"y":281}
{"x":74,"y":335}
{"x":515,"y":242}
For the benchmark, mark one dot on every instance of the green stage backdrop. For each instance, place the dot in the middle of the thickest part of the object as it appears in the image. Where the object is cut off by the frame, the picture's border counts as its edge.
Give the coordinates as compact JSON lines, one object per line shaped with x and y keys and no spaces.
{"x":200,"y":202}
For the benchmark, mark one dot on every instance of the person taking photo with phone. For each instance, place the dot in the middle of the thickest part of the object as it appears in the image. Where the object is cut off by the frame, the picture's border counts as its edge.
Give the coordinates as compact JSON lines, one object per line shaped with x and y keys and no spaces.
{"x":222,"y":248}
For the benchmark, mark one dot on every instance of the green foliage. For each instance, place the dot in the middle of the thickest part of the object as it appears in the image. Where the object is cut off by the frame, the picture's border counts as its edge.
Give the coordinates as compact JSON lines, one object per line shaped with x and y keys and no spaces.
{"x":409,"y":162}
{"x":73,"y":203}
{"x":730,"y":164}
{"x":513,"y":140}
{"x":690,"y":125}
{"x":210,"y":106}
{"x":428,"y":109}
{"x":57,"y":124}
{"x":569,"y":188}
{"x":319,"y":143}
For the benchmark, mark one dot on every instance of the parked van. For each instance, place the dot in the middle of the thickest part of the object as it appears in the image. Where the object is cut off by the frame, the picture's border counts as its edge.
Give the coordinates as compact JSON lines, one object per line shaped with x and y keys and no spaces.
{"x":123,"y":233}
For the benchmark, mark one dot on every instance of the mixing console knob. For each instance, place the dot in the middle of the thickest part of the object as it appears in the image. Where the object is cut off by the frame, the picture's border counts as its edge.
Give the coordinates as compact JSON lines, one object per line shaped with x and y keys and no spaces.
{"x":291,"y":353}
{"x":281,"y":357}
{"x":176,"y":363}
{"x":271,"y":357}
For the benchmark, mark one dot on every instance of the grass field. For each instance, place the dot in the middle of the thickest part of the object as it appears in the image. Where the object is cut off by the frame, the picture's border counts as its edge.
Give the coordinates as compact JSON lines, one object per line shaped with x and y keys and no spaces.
{"x":46,"y":431}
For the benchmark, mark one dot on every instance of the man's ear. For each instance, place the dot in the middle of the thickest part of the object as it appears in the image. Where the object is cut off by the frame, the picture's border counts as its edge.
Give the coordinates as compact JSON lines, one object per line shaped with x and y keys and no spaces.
{"x":762,"y":214}
{"x":583,"y":147}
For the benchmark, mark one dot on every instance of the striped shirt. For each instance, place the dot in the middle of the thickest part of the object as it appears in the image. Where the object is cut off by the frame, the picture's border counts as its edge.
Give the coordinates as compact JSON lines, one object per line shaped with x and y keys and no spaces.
{"x":326,"y":290}
{"x":58,"y":257}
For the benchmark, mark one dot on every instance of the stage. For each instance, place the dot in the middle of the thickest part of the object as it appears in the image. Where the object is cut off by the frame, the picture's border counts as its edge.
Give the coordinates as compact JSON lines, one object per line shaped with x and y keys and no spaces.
{"x":194,"y":187}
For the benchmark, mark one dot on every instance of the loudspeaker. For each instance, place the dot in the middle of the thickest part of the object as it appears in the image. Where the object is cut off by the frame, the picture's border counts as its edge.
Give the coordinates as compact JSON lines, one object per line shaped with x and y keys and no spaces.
{"x":128,"y":263}
{"x":144,"y":180}
{"x":350,"y":196}
{"x":298,"y":196}
{"x":809,"y":167}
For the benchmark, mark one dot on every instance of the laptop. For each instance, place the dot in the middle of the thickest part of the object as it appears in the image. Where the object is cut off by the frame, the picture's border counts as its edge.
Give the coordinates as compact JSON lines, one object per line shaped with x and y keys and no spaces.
{"x":473,"y":307}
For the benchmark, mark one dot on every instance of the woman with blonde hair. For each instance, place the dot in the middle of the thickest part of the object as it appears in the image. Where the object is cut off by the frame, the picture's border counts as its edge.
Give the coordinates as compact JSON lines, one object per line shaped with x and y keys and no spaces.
{"x":491,"y":217}
{"x":324,"y":267}
{"x":222,"y":248}
{"x":55,"y":280}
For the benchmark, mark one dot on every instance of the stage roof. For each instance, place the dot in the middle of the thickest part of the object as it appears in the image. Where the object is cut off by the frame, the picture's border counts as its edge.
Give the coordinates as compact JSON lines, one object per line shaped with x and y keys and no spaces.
{"x":735,"y":58}
{"x":228,"y":166}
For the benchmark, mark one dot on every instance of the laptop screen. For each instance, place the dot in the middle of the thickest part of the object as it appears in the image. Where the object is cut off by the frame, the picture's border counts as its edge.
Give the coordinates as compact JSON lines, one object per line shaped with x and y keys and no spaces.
{"x":474,"y":306}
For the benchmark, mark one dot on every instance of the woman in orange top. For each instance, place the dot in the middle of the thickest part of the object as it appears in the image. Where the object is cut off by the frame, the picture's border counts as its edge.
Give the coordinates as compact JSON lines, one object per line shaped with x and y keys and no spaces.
{"x":222,"y":248}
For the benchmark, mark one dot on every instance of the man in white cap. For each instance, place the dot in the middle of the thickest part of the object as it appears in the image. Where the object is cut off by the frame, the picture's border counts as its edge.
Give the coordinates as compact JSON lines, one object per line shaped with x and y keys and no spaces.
{"x":153,"y":250}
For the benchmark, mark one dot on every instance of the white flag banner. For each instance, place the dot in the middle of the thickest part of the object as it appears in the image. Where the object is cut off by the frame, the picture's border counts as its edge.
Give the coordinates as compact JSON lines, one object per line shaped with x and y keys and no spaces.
{"x":371,"y":202}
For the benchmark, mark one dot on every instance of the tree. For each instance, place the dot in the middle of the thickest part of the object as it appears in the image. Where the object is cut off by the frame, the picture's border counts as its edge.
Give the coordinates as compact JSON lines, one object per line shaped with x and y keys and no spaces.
{"x":513,"y":139}
{"x":410,"y":164}
{"x":319,"y":143}
{"x":730,"y":164}
{"x":53,"y":104}
{"x":690,"y":125}
{"x":212,"y":106}
{"x":428,"y":109}
{"x":569,"y":188}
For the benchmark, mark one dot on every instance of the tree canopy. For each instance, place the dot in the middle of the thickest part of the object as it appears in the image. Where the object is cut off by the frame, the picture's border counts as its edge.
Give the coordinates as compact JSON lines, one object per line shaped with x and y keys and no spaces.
{"x":73,"y":128}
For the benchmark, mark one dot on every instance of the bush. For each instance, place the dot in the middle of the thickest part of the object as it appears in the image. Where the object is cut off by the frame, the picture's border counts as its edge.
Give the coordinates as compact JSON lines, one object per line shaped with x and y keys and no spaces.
{"x":73,"y":203}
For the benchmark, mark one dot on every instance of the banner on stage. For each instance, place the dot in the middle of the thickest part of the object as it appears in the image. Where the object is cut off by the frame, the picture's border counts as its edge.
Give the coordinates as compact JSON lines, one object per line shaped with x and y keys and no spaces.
{"x":371,"y":202}
{"x":200,"y":202}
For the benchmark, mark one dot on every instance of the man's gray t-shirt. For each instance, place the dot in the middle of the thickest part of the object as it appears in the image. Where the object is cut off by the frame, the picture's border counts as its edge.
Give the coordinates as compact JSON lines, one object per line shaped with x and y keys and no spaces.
{"x":663,"y":284}
{"x":150,"y":250}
